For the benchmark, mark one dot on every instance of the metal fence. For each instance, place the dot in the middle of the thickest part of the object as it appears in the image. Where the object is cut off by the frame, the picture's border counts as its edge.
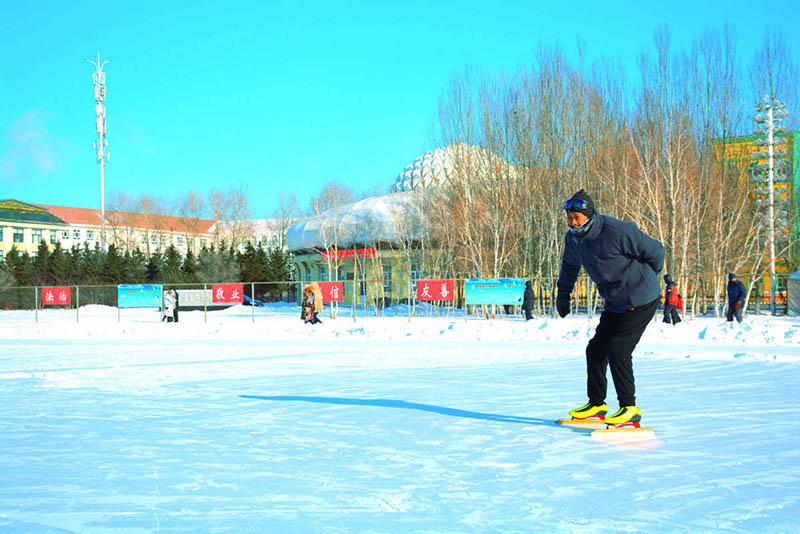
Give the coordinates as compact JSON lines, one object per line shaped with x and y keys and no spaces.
{"x":376,"y":298}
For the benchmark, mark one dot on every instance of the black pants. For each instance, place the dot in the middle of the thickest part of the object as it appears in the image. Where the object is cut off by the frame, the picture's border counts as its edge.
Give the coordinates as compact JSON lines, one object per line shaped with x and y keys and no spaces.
{"x":528,"y":315}
{"x":671,"y":314}
{"x":731,"y":313}
{"x":612,"y":345}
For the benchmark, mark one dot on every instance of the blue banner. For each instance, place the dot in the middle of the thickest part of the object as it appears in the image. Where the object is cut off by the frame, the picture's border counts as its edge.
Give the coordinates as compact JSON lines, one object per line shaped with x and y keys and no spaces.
{"x":495,"y":290}
{"x":138,"y":296}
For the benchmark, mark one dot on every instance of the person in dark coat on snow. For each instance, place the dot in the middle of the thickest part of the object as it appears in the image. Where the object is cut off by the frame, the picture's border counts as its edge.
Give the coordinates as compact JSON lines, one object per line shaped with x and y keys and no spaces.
{"x":624,"y":263}
{"x":736,"y":293}
{"x":527,"y":301}
{"x":671,"y":299}
{"x":177,"y":304}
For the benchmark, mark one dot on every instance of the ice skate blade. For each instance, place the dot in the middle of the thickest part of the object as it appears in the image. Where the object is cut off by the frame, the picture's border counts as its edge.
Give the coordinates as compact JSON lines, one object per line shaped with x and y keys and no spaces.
{"x":583,"y":423}
{"x":623,"y":434}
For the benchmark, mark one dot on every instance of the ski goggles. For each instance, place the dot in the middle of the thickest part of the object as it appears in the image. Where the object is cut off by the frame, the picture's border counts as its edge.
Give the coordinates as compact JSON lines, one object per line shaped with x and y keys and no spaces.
{"x":576,"y":204}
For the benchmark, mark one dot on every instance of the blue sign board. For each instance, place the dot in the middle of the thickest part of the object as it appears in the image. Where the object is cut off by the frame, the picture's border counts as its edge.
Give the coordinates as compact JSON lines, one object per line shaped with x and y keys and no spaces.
{"x":138,"y":296}
{"x":495,"y":290}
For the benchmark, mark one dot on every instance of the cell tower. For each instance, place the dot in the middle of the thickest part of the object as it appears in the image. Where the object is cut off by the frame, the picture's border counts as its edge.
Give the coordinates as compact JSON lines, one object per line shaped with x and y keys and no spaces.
{"x":99,"y":79}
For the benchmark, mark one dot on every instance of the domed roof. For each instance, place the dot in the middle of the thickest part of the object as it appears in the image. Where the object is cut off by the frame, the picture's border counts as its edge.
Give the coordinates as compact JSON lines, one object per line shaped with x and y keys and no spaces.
{"x":431,"y":169}
{"x":372,"y":220}
{"x":437,"y":167}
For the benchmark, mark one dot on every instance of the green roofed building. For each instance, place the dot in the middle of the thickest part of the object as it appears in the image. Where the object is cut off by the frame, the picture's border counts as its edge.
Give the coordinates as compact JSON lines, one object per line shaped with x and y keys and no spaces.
{"x":25,"y":226}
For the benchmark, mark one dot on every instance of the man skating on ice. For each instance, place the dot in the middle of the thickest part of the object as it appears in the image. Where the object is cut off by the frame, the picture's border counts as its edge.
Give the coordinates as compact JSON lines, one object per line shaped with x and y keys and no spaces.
{"x":624,"y":263}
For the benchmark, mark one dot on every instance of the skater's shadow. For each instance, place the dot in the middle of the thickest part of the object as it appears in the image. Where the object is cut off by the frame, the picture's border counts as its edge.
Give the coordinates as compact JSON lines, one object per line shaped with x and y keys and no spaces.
{"x":389,"y":403}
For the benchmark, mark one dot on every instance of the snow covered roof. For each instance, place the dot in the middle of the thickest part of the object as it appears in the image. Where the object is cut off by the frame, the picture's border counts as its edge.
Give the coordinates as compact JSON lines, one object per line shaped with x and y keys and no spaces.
{"x":382,"y":219}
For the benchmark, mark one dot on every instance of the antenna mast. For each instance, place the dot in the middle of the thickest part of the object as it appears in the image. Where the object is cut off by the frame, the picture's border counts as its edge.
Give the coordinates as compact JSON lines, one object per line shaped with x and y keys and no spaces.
{"x":99,"y":79}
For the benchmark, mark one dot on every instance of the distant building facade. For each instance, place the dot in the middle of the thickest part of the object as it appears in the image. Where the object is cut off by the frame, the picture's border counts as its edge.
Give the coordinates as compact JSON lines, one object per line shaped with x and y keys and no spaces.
{"x":25,"y":226}
{"x":128,"y":231}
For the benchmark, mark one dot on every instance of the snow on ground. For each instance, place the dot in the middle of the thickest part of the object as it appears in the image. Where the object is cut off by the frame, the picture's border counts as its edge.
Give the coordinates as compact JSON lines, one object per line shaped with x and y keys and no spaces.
{"x":254,"y":422}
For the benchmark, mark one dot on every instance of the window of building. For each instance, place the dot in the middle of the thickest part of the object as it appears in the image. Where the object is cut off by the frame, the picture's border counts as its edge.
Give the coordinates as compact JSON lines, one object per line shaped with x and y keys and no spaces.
{"x":76,"y":234}
{"x":274,"y":240}
{"x":34,"y":253}
{"x":163,"y":240}
{"x":387,"y":279}
{"x":2,"y":255}
{"x":90,"y":235}
{"x":53,"y":236}
{"x":64,"y":235}
{"x":19,"y":235}
{"x":180,"y":241}
{"x":2,"y":233}
{"x":36,"y":236}
{"x":153,"y":239}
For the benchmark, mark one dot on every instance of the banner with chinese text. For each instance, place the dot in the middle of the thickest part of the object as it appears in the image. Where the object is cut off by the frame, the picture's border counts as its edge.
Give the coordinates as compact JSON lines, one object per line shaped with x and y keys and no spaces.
{"x":56,"y":296}
{"x":139,"y":296}
{"x":332,"y":291}
{"x":229,"y":293}
{"x":494,"y":290}
{"x":435,"y":289}
{"x":348,"y":254}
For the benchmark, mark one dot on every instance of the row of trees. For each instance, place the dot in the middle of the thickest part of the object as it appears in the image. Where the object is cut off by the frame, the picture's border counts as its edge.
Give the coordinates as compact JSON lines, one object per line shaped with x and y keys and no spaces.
{"x":655,"y":151}
{"x":91,"y":266}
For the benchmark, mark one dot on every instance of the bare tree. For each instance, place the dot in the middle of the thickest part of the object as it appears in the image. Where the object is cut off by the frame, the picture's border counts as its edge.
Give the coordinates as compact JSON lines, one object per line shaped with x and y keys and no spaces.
{"x":231,"y":211}
{"x":191,"y":208}
{"x":285,"y":215}
{"x":329,"y":215}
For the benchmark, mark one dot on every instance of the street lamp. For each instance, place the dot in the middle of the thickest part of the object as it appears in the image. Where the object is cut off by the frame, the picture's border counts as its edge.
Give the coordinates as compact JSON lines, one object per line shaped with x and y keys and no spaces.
{"x":774,"y":112}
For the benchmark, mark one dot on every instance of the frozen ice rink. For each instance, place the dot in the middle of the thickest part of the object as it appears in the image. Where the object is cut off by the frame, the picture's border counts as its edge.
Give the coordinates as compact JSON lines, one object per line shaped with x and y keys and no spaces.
{"x":386,"y":426}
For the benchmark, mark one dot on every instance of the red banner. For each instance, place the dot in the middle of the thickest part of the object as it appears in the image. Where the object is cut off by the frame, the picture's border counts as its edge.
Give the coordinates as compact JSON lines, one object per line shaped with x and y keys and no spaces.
{"x":227,"y":293}
{"x":349,"y":254}
{"x":435,"y":289}
{"x":56,"y":296}
{"x":332,"y":291}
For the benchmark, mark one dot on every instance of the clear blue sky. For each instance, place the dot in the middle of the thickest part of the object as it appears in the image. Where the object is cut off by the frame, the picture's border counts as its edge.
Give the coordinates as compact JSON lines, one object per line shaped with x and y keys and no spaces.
{"x":280,"y":95}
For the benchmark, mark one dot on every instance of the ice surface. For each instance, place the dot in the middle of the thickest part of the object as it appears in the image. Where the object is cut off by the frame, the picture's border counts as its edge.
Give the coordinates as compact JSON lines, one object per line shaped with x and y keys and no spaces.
{"x":386,"y":426}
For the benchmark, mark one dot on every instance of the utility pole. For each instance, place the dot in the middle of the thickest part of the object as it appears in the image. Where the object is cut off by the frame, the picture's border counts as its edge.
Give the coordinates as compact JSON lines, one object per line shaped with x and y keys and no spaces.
{"x":99,"y":79}
{"x":775,"y":112}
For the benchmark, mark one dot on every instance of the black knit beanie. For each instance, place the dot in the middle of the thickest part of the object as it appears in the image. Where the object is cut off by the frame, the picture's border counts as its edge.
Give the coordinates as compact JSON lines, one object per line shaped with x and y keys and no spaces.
{"x":588,"y":204}
{"x":731,"y":276}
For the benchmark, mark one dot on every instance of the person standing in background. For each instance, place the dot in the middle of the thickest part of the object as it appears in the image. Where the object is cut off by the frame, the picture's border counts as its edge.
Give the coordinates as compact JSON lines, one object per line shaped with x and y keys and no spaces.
{"x":671,"y":300}
{"x":736,"y":293}
{"x":527,"y":301}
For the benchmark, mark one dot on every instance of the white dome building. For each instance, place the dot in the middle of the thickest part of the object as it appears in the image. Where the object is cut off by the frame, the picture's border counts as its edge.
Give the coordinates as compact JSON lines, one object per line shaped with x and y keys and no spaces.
{"x":431,"y":169}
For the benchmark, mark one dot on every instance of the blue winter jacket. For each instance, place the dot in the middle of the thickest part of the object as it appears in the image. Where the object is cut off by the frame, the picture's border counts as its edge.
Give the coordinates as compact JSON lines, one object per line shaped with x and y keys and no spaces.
{"x":736,"y":292}
{"x":622,"y":260}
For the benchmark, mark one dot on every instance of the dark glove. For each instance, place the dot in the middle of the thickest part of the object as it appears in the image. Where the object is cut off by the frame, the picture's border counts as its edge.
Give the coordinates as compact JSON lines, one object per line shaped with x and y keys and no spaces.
{"x":562,"y":304}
